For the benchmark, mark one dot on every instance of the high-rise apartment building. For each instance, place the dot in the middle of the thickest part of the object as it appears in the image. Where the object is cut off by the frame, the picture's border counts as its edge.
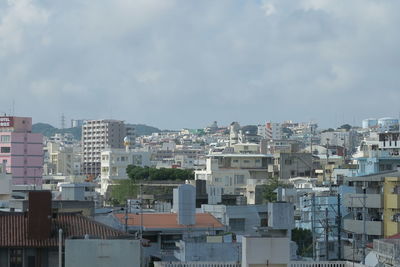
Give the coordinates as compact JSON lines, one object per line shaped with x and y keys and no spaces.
{"x":270,"y":131}
{"x":98,"y":135}
{"x":21,"y":151}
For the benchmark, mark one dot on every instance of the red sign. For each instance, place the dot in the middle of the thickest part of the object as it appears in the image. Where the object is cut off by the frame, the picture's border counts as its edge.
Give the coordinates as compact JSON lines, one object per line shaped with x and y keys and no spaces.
{"x":6,"y":122}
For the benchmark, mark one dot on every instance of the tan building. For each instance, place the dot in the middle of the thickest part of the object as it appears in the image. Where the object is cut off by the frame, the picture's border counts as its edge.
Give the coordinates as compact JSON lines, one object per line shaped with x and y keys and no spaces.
{"x":60,"y":159}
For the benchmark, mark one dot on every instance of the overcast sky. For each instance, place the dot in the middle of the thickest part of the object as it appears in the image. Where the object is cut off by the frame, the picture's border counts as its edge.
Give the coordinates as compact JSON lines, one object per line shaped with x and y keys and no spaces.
{"x":175,"y":64}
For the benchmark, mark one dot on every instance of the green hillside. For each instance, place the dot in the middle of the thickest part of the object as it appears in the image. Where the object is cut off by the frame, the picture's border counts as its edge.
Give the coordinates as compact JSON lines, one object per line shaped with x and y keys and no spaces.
{"x":48,"y":130}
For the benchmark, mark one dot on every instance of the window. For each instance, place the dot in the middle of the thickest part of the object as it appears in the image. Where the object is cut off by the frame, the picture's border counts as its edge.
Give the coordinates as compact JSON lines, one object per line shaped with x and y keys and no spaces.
{"x":237,"y":224}
{"x":239,"y":179}
{"x":5,"y":139}
{"x":5,"y":149}
{"x":16,"y":257}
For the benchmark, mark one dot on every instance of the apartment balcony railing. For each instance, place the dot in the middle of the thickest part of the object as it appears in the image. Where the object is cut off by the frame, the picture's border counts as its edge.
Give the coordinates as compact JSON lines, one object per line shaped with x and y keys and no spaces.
{"x":357,"y":200}
{"x":356,"y":226}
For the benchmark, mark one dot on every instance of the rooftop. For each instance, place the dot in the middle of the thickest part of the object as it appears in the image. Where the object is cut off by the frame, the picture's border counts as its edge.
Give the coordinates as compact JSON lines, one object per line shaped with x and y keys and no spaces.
{"x":168,"y":221}
{"x":14,"y":229}
{"x":242,"y":155}
{"x":378,"y":177}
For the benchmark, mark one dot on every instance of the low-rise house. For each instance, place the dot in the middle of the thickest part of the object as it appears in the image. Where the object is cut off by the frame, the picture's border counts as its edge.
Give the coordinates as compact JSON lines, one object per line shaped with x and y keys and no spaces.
{"x":32,"y":238}
{"x":163,"y":229}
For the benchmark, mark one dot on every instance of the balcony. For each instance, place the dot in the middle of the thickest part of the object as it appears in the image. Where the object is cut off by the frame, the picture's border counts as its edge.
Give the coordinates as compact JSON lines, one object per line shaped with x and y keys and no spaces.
{"x":373,"y":201}
{"x":371,"y":227}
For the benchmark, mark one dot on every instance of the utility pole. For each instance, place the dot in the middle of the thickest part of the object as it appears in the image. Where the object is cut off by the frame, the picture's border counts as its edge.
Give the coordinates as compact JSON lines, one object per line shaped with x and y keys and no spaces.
{"x":326,"y":165}
{"x":313,"y":224}
{"x":339,"y":228}
{"x":126,"y":216}
{"x":326,"y":235}
{"x":141,"y":225}
{"x":364,"y":236}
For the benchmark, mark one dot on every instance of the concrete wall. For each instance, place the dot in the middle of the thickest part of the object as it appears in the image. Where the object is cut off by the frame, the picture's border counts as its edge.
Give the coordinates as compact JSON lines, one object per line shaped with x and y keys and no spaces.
{"x":263,"y":251}
{"x":356,"y":226}
{"x":281,"y":215}
{"x":98,"y":253}
{"x":202,"y":251}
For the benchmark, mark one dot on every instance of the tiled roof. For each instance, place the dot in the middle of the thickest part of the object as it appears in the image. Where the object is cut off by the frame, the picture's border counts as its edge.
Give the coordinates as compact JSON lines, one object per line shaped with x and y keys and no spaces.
{"x":14,"y":229}
{"x":168,"y":220}
{"x":396,"y":236}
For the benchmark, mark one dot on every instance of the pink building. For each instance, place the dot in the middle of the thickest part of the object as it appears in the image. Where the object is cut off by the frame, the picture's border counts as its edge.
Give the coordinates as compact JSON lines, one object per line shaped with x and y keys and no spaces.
{"x":21,"y":150}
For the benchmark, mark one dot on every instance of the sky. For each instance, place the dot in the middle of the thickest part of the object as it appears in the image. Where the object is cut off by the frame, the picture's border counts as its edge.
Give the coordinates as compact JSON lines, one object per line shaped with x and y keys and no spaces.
{"x":175,"y":64}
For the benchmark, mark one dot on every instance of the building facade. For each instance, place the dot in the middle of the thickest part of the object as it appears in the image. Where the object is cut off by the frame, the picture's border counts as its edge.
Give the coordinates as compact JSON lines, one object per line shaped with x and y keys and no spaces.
{"x":233,"y":172}
{"x":114,"y":163}
{"x":21,"y":150}
{"x":98,"y":135}
{"x":375,"y":201}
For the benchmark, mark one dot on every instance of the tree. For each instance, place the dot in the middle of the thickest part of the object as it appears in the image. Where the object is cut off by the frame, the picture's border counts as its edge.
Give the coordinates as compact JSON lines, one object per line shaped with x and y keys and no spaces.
{"x":137,"y":173}
{"x":328,"y":130}
{"x":347,"y":127}
{"x":269,"y":194}
{"x":303,"y":239}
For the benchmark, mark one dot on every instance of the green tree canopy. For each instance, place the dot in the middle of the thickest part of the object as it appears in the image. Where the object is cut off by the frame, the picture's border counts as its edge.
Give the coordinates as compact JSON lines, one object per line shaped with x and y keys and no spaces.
{"x":347,"y":127}
{"x":137,"y":173}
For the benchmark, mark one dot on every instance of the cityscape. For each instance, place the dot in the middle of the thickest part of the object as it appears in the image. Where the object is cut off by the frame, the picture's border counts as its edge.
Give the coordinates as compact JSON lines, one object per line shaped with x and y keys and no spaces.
{"x":170,"y":133}
{"x":286,"y":193}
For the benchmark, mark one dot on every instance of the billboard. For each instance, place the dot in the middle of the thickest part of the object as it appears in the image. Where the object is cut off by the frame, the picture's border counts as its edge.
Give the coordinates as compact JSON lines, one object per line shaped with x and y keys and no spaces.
{"x":6,"y":122}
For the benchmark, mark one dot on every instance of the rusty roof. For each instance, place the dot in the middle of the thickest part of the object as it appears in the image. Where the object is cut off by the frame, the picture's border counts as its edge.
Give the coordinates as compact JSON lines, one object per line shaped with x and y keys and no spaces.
{"x":168,"y":220}
{"x":14,"y":229}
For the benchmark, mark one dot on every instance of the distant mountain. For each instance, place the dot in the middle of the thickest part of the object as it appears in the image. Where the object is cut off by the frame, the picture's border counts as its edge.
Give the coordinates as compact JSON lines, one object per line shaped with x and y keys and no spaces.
{"x":142,"y":129}
{"x":48,"y":130}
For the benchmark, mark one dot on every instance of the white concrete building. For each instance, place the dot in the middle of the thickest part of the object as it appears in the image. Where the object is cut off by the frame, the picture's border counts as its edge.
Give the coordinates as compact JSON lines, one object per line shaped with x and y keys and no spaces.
{"x":100,"y":252}
{"x":270,"y":131}
{"x":369,"y":123}
{"x":114,"y":163}
{"x":233,"y":172}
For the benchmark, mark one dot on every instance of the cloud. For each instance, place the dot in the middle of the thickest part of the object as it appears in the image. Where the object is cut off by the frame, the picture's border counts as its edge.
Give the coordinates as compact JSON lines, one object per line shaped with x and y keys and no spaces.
{"x":16,"y":23}
{"x":185,"y":63}
{"x":268,"y":8}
